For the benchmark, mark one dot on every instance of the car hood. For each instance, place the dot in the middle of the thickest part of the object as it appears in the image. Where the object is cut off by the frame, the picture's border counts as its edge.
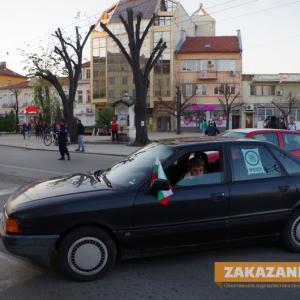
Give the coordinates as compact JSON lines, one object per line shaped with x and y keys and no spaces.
{"x":73,"y":184}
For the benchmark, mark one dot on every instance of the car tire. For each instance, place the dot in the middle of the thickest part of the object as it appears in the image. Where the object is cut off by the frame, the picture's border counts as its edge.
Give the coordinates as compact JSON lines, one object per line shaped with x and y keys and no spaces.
{"x":291,"y":232}
{"x":87,"y":253}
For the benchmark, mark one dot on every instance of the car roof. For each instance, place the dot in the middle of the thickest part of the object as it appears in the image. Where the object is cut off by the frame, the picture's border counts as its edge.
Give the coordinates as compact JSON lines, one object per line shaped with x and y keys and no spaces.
{"x":249,"y":130}
{"x":202,"y":140}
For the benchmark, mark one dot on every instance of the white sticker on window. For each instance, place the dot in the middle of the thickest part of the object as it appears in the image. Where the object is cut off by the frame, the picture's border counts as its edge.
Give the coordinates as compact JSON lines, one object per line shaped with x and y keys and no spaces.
{"x":253,"y":161}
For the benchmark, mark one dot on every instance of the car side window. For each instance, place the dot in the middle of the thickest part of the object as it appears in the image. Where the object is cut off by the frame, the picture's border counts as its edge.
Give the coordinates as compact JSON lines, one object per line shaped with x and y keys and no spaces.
{"x":291,"y":141}
{"x":253,"y":162}
{"x":213,"y":172}
{"x":290,"y":165}
{"x":267,"y":137}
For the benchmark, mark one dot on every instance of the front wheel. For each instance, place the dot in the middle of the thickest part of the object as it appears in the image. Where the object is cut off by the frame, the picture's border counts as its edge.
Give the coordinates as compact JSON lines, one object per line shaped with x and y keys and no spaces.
{"x":87,"y":253}
{"x":48,"y":139}
{"x":291,"y":233}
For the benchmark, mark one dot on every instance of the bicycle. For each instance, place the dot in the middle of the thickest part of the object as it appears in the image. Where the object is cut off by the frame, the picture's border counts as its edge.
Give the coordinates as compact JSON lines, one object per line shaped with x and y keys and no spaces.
{"x":49,"y":138}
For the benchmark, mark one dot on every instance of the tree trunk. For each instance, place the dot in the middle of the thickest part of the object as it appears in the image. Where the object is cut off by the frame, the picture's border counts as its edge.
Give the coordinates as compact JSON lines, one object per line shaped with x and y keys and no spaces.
{"x":140,"y":110}
{"x":71,"y":121}
{"x":227,"y":119}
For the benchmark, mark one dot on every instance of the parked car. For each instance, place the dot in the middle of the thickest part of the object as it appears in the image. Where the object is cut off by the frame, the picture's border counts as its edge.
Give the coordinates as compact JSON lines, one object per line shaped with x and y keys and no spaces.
{"x":250,"y":191}
{"x":285,"y":139}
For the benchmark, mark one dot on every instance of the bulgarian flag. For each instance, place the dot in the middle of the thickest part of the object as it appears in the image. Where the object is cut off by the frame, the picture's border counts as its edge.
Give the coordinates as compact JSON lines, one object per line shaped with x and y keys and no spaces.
{"x":158,"y":173}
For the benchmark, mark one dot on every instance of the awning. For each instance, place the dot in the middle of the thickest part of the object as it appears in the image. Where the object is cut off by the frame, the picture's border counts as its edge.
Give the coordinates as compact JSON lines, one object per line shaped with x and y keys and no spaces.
{"x":31,"y":109}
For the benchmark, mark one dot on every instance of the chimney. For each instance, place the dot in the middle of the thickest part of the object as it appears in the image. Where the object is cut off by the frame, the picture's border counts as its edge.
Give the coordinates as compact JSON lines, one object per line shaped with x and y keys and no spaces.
{"x":3,"y":64}
{"x":239,"y":36}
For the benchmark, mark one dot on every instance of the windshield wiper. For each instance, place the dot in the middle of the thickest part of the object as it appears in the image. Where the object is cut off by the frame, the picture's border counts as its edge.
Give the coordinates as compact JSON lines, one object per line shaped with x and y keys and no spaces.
{"x":98,"y":173}
{"x":107,"y":182}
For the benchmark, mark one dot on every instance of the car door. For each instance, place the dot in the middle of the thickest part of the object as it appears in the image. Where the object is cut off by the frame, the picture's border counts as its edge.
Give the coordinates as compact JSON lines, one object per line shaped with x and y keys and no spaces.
{"x":261,"y":193}
{"x":196,"y":213}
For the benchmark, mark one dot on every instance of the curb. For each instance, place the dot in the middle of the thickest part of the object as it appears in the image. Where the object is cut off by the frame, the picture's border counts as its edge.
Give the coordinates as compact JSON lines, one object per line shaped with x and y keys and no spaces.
{"x":71,"y":151}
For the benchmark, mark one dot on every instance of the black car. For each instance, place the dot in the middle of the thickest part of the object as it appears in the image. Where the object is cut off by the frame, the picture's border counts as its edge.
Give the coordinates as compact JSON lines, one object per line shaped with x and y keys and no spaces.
{"x":250,"y":189}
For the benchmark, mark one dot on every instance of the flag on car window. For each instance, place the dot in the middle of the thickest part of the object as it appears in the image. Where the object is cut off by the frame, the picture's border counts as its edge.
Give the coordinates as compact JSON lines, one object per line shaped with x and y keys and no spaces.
{"x":158,"y":173}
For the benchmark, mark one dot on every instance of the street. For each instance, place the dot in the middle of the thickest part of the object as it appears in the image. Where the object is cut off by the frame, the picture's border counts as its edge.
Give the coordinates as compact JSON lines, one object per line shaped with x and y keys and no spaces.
{"x":184,"y":276}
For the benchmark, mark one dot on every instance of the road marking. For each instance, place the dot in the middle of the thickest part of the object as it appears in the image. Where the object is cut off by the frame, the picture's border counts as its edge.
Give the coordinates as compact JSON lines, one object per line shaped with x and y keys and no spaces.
{"x":33,"y":170}
{"x":8,"y":191}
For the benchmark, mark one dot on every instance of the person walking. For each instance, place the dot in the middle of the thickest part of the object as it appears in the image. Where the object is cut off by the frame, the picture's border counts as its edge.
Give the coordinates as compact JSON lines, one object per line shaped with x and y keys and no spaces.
{"x":114,"y":129}
{"x":212,"y":129}
{"x":24,"y":130}
{"x":62,"y":140}
{"x":291,"y":125}
{"x":29,"y":130}
{"x":203,"y":126}
{"x":80,"y":135}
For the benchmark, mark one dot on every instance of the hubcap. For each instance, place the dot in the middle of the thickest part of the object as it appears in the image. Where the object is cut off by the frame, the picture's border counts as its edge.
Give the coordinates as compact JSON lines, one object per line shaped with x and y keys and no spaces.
{"x":296,"y":231}
{"x":87,"y":256}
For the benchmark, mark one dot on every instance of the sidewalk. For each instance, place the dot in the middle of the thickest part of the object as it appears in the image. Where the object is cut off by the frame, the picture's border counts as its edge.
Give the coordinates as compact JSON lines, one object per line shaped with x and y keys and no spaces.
{"x":100,"y":145}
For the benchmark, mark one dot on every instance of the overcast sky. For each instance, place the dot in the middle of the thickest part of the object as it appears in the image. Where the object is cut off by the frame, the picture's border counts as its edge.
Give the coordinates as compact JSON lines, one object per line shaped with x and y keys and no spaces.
{"x":270,"y":28}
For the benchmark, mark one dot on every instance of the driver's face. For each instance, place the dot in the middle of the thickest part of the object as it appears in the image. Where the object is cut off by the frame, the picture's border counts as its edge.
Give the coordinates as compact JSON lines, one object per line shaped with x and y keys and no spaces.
{"x":196,"y":171}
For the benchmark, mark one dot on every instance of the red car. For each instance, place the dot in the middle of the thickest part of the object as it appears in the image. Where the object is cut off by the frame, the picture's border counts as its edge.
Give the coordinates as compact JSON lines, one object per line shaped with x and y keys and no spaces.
{"x":285,"y":139}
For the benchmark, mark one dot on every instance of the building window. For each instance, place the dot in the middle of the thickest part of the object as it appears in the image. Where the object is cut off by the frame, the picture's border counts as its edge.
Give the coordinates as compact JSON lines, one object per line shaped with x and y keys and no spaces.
{"x":262,"y":90}
{"x":124,"y":80}
{"x":200,"y":89}
{"x":88,"y":73}
{"x":225,"y":65}
{"x":111,"y":80}
{"x":188,"y":90}
{"x":167,"y":5}
{"x":79,"y":96}
{"x":88,"y":96}
{"x":163,"y":21}
{"x":111,"y":94}
{"x":189,"y":65}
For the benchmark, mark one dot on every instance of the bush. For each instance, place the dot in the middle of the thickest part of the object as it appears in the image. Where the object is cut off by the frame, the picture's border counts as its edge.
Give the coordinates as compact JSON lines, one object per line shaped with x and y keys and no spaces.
{"x":104,"y":118}
{"x":8,"y":122}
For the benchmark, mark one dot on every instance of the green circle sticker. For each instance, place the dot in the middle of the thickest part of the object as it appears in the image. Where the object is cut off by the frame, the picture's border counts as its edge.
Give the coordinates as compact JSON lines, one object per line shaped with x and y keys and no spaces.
{"x":252,"y":158}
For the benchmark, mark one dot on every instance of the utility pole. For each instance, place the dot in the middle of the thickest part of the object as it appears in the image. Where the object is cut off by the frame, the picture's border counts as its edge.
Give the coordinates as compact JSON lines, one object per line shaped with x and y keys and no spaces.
{"x":178,"y":109}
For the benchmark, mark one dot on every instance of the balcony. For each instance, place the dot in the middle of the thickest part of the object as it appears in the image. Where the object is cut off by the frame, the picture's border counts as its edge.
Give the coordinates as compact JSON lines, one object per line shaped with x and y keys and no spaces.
{"x":209,"y":75}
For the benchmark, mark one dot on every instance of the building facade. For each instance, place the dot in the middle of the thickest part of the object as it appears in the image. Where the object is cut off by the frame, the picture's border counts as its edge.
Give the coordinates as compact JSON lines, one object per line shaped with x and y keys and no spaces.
{"x":260,"y":90}
{"x":83,"y":108}
{"x":204,"y":65}
{"x":112,"y":78}
{"x":9,"y":77}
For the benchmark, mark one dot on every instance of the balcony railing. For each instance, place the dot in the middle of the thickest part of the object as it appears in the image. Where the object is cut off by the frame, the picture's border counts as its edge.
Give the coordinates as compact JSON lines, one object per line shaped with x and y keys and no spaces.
{"x":207,"y":75}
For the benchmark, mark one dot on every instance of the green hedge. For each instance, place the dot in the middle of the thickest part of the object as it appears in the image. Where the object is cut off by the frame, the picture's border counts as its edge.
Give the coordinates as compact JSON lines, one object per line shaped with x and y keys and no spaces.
{"x":8,"y":122}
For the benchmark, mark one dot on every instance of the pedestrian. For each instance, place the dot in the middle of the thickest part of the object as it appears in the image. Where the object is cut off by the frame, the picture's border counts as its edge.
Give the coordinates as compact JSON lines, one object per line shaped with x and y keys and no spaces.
{"x":281,"y":124}
{"x":291,"y":125}
{"x":24,"y":130}
{"x":114,"y":129}
{"x":62,"y":140}
{"x":80,"y":135}
{"x":212,"y":129}
{"x":203,"y":126}
{"x":37,"y":130}
{"x":29,"y":130}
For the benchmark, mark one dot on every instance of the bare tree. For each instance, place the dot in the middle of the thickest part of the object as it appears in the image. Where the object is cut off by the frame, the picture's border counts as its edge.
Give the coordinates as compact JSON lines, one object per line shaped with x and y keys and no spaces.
{"x":228,"y":97}
{"x":67,"y":59}
{"x":178,"y":107}
{"x":15,"y":106}
{"x":286,"y":107}
{"x":140,"y":72}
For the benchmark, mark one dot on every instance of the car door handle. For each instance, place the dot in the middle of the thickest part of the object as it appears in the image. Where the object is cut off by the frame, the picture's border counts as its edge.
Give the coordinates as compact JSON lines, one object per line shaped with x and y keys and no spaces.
{"x":217,"y":196}
{"x":284,"y":188}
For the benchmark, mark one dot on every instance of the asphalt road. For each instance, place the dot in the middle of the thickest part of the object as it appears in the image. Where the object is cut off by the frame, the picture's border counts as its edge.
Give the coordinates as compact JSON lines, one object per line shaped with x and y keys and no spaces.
{"x":184,"y":276}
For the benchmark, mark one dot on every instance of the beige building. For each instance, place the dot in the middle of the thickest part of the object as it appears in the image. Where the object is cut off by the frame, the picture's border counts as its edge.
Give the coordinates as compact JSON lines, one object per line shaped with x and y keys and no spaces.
{"x":112,"y":76}
{"x":83,"y":108}
{"x":260,"y":90}
{"x":203,"y":65}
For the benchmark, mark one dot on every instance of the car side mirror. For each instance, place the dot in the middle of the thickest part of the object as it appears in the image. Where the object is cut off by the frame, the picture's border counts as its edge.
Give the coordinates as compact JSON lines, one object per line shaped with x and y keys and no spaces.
{"x":158,"y":185}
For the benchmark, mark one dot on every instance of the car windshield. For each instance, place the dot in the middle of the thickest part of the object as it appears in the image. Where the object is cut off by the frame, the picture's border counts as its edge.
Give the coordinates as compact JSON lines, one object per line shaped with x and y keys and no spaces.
{"x":136,"y":167}
{"x":234,"y":134}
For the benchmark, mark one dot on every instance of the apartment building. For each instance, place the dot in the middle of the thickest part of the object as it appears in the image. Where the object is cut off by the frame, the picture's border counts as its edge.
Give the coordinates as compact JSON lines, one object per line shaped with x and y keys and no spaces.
{"x":260,"y":90}
{"x":203,"y":65}
{"x":112,"y":79}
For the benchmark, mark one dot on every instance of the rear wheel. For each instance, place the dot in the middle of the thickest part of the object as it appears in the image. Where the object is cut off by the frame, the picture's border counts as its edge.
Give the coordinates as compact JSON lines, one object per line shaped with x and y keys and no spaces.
{"x":48,"y":139}
{"x":87,"y":253}
{"x":291,"y":233}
